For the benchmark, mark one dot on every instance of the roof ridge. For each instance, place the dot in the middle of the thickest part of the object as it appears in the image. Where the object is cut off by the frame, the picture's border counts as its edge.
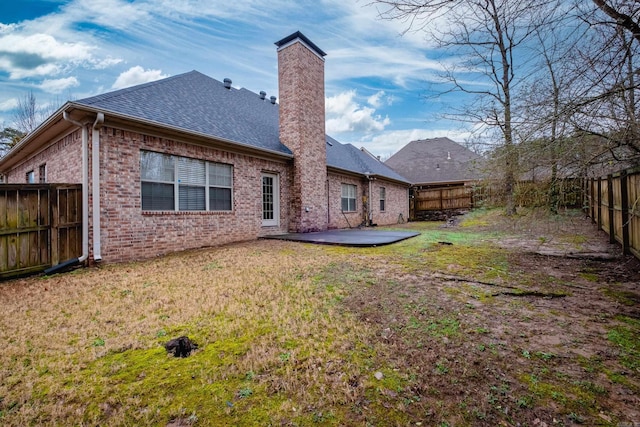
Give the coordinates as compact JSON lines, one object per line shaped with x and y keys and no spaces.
{"x":135,"y":88}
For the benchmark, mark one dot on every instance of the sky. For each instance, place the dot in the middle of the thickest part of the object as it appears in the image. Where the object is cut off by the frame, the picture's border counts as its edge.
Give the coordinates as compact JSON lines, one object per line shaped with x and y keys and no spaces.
{"x":379,"y":78}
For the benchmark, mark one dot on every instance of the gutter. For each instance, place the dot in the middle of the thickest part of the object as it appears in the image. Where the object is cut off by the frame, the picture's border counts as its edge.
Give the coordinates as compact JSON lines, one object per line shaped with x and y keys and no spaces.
{"x":95,"y":170}
{"x":145,"y":122}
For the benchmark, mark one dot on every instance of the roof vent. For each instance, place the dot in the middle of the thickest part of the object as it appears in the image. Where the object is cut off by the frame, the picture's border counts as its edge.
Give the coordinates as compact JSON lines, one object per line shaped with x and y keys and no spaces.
{"x":263,"y":95}
{"x":273,"y":99}
{"x":227,"y":83}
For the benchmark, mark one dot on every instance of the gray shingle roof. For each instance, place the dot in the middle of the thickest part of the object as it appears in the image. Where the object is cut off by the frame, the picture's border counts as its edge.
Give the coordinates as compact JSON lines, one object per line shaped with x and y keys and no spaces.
{"x":436,"y":160}
{"x":347,"y":157}
{"x":197,"y":103}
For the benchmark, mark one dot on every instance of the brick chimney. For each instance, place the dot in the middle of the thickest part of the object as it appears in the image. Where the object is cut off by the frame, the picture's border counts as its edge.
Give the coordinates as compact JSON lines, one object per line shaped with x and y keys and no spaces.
{"x":302,"y":129}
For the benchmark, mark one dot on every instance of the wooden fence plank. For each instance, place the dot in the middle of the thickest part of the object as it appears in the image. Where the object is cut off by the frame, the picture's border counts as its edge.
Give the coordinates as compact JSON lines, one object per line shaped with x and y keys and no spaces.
{"x":634,"y":213}
{"x":615,"y":207}
{"x":599,"y":198}
{"x":3,"y":210}
{"x":624,"y":212}
{"x":31,"y":219}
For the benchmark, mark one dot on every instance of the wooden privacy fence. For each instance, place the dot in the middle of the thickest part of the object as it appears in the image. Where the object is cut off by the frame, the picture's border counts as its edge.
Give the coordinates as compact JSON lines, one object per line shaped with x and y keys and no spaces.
{"x":40,"y":226}
{"x":439,"y":199}
{"x":614,"y":202}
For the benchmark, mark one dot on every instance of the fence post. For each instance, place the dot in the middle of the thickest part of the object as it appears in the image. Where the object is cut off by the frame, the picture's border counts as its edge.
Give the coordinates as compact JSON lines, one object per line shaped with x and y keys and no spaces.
{"x":599,"y":187}
{"x":592,"y":200}
{"x":610,"y":202}
{"x":54,"y":220}
{"x":624,"y":177}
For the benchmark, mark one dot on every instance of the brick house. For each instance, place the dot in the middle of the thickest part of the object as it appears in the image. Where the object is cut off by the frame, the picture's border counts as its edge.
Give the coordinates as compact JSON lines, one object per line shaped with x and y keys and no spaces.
{"x":188,"y":162}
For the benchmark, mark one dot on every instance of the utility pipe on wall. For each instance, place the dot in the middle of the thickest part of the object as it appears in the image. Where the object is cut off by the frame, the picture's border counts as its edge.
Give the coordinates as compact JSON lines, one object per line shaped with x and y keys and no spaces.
{"x":369,"y":219}
{"x":95,"y":169}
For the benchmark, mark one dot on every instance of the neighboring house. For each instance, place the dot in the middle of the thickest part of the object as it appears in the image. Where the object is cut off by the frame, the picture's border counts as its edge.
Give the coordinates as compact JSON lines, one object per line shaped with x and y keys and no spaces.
{"x":441,"y":172}
{"x":189,"y":162}
{"x":437,"y":162}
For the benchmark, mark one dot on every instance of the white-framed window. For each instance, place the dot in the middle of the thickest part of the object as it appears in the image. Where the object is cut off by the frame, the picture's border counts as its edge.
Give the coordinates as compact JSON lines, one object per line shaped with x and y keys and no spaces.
{"x":383,"y":198}
{"x":175,"y":183}
{"x":31,"y":177}
{"x":270,"y":199}
{"x":348,"y":198}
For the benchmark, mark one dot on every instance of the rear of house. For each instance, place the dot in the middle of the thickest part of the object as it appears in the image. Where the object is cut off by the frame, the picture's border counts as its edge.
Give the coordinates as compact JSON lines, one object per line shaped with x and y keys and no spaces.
{"x":188,"y":162}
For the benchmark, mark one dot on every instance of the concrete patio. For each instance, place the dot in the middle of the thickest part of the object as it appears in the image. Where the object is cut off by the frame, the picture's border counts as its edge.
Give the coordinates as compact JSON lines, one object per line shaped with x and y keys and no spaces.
{"x":352,"y":237}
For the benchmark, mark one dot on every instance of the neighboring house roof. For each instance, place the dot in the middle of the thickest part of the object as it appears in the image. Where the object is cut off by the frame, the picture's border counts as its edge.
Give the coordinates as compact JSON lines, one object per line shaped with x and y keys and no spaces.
{"x":349,"y":158}
{"x":436,"y":160}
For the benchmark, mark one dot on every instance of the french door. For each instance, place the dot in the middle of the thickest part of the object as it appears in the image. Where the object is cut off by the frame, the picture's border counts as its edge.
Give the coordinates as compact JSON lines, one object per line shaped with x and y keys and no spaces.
{"x":270,"y":200}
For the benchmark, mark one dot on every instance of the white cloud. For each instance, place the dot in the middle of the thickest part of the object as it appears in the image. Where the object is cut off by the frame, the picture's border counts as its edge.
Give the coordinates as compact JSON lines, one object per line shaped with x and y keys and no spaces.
{"x":59,"y":85}
{"x":344,"y":114}
{"x":402,"y":65}
{"x":9,"y":104}
{"x":378,"y":99}
{"x":137,"y":75}
{"x":101,"y":64}
{"x":116,"y":14}
{"x":39,"y":54}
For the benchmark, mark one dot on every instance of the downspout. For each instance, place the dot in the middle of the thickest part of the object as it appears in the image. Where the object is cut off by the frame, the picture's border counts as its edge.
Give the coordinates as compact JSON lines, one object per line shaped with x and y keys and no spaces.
{"x":328,"y":206}
{"x":95,"y":170}
{"x":370,"y":200}
{"x":370,"y":204}
{"x":85,"y":195}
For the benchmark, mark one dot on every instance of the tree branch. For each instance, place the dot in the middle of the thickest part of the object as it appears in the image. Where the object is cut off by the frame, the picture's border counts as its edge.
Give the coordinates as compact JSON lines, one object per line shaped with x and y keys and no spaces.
{"x":622,"y":19}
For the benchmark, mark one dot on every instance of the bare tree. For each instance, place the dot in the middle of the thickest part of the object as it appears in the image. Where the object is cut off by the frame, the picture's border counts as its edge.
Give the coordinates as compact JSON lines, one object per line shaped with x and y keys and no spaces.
{"x":626,"y":15}
{"x":27,"y":116}
{"x":607,"y":96}
{"x":488,"y":38}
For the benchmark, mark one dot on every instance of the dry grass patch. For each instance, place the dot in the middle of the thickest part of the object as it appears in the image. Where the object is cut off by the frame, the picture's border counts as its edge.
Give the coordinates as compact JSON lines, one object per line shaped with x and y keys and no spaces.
{"x":473,"y":333}
{"x":87,"y":346}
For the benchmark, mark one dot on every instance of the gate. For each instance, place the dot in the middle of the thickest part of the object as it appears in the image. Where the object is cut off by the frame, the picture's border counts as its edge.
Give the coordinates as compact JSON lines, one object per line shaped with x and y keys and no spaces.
{"x":40,"y":226}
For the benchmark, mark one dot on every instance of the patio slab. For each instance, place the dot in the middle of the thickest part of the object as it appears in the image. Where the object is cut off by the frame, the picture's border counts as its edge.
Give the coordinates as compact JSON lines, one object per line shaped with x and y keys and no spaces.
{"x":355,"y":237}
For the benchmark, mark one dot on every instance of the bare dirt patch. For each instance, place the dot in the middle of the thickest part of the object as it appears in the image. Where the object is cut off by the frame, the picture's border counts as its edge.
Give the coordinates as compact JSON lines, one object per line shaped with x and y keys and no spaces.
{"x":539,"y":345}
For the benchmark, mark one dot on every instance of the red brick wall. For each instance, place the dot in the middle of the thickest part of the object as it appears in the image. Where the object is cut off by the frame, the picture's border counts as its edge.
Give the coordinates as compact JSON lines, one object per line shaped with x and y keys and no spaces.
{"x":338,"y":219}
{"x":397,"y":201}
{"x":129,"y":233}
{"x":302,"y":129}
{"x":63,"y":160}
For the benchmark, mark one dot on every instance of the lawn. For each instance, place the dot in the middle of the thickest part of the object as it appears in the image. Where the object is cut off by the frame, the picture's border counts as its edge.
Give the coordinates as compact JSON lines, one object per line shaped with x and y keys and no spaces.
{"x":481,"y":322}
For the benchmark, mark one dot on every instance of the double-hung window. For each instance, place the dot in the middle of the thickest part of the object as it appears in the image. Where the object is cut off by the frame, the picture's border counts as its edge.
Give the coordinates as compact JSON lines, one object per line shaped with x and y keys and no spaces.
{"x":383,"y":198}
{"x":348,"y":198}
{"x":220,"y":186}
{"x":174,"y":183}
